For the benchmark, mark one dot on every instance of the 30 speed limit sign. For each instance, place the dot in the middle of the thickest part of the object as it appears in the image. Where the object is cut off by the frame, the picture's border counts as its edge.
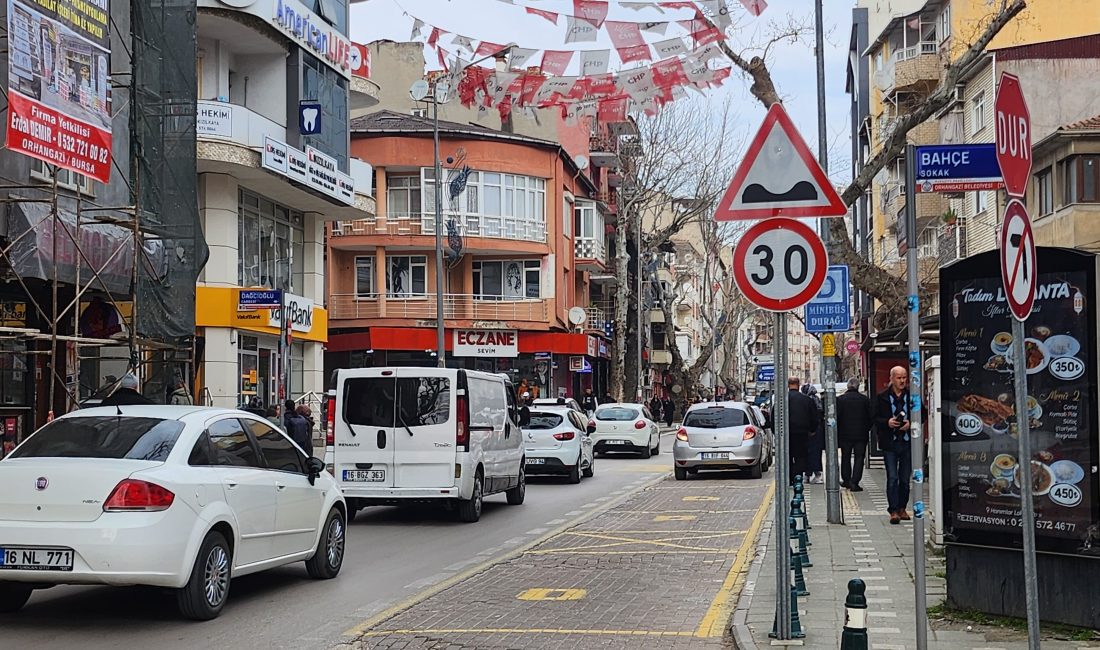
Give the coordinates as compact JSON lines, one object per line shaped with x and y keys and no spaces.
{"x":780,"y":264}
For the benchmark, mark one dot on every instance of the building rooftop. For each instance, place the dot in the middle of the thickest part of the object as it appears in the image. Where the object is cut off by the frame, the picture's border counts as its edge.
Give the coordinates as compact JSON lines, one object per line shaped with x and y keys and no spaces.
{"x":1089,"y":124}
{"x":391,"y":122}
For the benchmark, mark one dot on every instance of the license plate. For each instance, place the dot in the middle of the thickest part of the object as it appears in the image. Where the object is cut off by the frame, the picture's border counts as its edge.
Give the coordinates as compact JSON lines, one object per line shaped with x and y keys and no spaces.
{"x":37,"y":559}
{"x":364,"y":475}
{"x":615,"y":442}
{"x":536,"y":461}
{"x":716,"y":455}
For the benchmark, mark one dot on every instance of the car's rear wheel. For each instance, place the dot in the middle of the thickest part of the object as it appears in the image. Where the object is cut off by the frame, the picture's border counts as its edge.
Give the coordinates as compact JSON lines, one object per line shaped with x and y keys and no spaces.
{"x":647,"y":452}
{"x":204,"y":595}
{"x":469,"y":510}
{"x":329,"y":556}
{"x":757,"y":470}
{"x":591,"y":469}
{"x":13,"y":595}
{"x":681,"y":473}
{"x":657,"y":449}
{"x":516,"y":495}
{"x":575,"y":472}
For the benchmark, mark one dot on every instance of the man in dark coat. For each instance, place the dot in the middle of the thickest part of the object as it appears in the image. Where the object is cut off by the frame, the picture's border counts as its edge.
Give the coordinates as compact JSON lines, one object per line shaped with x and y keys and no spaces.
{"x":588,"y":401}
{"x":892,"y":409}
{"x":126,"y":394}
{"x":298,"y":430}
{"x":669,"y":409}
{"x":803,"y":418}
{"x":853,"y":428}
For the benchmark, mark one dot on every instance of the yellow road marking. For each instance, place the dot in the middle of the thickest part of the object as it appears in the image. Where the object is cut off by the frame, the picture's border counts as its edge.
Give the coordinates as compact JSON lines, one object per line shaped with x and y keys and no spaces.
{"x":652,"y":532}
{"x":533,"y":630}
{"x":620,"y":541}
{"x":552,"y":594}
{"x":674,"y":518}
{"x":704,"y":512}
{"x":714,"y":622}
{"x":699,"y":498}
{"x":568,"y":551}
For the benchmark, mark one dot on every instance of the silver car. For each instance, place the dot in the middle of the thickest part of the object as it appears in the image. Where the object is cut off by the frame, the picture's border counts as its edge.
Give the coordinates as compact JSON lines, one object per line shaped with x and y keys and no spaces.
{"x":721,"y":436}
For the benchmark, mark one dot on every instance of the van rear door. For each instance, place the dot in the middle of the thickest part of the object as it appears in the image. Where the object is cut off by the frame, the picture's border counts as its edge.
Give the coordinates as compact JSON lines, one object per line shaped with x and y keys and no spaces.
{"x":424,"y":437}
{"x":365,"y":427}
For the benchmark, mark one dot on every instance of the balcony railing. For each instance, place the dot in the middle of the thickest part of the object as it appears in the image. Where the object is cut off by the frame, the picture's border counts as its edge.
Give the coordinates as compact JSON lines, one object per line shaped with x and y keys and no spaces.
{"x":597,"y":318}
{"x":422,"y":307}
{"x":514,"y":228}
{"x":236,"y":124}
{"x":912,"y":52}
{"x":590,"y":248}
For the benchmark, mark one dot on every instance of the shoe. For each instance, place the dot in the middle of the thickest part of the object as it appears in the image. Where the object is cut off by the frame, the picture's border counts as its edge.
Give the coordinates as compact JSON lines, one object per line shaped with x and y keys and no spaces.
{"x":816,"y":478}
{"x":894,"y":518}
{"x":903,"y":515}
{"x":856,"y":488}
{"x":844,"y":484}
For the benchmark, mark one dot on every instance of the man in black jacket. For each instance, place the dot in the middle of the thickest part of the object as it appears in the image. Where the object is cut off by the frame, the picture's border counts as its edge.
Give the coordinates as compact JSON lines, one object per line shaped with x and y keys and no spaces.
{"x":892,"y":409}
{"x":803,"y":419}
{"x":126,"y":394}
{"x":853,"y":427}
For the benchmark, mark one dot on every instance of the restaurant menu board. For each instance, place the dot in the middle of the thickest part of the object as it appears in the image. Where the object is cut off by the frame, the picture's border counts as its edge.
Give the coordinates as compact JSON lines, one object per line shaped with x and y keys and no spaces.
{"x":983,"y":477}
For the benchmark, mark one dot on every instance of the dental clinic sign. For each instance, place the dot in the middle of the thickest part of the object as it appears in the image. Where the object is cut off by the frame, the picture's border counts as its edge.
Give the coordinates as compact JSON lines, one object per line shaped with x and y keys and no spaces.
{"x":299,"y":312}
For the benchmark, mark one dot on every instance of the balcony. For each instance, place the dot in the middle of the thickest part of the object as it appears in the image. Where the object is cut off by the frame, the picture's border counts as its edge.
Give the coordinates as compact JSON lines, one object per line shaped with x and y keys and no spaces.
{"x":603,"y":152}
{"x":223,"y":122}
{"x":590,"y":254}
{"x":455,"y":307}
{"x":514,"y":228}
{"x":597,"y":319}
{"x":917,"y":68}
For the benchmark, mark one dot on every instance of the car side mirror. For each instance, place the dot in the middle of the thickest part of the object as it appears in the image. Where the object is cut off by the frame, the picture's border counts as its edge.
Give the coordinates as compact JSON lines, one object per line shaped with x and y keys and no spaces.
{"x":591,"y":429}
{"x":314,"y":467}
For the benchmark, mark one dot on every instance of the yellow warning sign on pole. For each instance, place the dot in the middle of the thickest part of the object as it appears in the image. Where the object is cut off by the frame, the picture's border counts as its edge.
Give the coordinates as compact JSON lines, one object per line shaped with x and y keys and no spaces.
{"x":828,"y":345}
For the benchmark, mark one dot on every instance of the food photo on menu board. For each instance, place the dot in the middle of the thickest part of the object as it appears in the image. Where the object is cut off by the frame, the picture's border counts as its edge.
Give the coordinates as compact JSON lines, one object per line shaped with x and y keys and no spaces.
{"x":983,"y":475}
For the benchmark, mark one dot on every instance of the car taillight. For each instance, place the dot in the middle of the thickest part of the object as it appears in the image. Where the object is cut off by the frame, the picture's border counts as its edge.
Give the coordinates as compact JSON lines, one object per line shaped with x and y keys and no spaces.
{"x":462,"y":434}
{"x":565,"y":435}
{"x":640,"y":424}
{"x":750,"y":432}
{"x":138,"y":496}
{"x":330,"y":422}
{"x":682,"y":434}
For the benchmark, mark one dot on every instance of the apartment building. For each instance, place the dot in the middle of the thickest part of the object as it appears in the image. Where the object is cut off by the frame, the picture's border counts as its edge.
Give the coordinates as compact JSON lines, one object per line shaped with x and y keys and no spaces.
{"x":275,"y":89}
{"x":1064,"y":199}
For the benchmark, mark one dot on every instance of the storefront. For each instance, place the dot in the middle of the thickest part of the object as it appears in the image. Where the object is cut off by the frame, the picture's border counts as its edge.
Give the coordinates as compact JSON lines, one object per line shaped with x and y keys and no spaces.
{"x":15,"y":381}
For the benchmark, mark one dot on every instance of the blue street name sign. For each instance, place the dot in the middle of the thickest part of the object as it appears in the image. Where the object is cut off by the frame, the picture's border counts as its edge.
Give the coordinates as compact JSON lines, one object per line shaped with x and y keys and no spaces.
{"x":765,"y":373}
{"x":253,"y":299}
{"x":958,"y":168}
{"x":831,"y":309}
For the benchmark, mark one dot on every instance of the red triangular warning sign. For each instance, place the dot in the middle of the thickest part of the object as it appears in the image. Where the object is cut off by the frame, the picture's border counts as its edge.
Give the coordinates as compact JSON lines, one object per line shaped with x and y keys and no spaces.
{"x":779,"y":177}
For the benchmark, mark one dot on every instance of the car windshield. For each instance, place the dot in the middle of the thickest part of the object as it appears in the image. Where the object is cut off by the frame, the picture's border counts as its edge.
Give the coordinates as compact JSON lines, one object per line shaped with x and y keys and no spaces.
{"x":103,"y":437}
{"x":544,"y":421}
{"x":616,"y":414}
{"x":716,"y":418}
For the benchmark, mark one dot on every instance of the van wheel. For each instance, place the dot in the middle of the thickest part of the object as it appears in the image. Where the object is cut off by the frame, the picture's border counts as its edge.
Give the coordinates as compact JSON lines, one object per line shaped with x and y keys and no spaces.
{"x":516,"y":494}
{"x":681,"y":473}
{"x":13,"y":595}
{"x":203,"y":597}
{"x":591,"y":469}
{"x":575,"y":473}
{"x":329,"y":555}
{"x":469,"y":510}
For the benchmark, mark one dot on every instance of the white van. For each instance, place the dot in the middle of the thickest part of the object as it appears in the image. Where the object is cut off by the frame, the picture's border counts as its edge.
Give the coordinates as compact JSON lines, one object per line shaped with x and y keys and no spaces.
{"x":403,"y":435}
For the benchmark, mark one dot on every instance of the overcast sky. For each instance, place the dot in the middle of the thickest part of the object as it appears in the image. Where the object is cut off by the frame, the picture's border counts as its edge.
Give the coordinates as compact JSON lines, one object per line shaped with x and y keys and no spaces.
{"x":792,"y":64}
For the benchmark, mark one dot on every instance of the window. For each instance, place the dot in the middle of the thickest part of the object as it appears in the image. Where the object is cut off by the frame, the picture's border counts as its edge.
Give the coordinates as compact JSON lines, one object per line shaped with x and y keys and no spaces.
{"x":541,"y":421}
{"x":103,"y":437}
{"x":403,"y":196}
{"x":977,"y":112}
{"x":567,"y":217}
{"x":324,"y":84}
{"x":271,"y":244}
{"x":617,"y":414}
{"x":231,"y":445}
{"x":585,"y":212}
{"x":279,"y":453}
{"x":945,"y":23}
{"x":424,"y":401}
{"x":368,"y":401}
{"x":13,"y":368}
{"x":364,"y":276}
{"x":488,"y":404}
{"x":66,"y":179}
{"x":1082,"y":179}
{"x":1044,"y":192}
{"x":981,"y":202}
{"x":419,"y":112}
{"x":406,"y":276}
{"x":492,"y":204}
{"x":716,"y":418}
{"x":507,"y":280}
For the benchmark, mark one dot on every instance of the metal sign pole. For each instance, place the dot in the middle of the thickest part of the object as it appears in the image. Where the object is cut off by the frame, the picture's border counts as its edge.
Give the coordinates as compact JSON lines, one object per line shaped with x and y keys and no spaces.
{"x":1027,"y":505}
{"x":916,"y":430}
{"x":782,"y":483}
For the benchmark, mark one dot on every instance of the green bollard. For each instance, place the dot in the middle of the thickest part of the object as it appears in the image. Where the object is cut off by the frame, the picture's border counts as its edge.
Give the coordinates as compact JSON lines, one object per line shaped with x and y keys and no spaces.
{"x":797,"y":513}
{"x":799,"y":577}
{"x":796,"y":624}
{"x":854,"y":634}
{"x":803,"y":554}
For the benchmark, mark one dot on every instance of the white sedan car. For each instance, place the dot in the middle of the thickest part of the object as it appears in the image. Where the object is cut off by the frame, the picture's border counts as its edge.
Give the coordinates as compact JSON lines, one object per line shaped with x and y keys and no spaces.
{"x":625,"y":427}
{"x":556,"y":441}
{"x":170,"y":496}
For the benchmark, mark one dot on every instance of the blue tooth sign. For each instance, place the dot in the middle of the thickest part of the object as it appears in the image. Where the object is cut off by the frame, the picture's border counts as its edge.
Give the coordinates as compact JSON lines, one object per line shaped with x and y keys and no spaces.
{"x":914,"y":303}
{"x":916,"y":402}
{"x":918,"y":509}
{"x":918,"y":476}
{"x":914,"y":359}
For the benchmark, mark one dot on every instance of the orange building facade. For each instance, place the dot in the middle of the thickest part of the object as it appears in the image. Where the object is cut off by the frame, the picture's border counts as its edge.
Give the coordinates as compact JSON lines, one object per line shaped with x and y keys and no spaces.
{"x":526,"y":279}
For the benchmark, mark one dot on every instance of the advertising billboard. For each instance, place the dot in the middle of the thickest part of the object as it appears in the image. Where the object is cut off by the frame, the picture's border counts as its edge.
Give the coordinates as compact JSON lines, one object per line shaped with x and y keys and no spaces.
{"x":59,"y":56}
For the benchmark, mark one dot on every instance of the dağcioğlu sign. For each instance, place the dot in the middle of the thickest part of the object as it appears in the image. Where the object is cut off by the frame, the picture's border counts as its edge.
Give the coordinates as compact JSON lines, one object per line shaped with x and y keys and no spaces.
{"x":480,"y":343}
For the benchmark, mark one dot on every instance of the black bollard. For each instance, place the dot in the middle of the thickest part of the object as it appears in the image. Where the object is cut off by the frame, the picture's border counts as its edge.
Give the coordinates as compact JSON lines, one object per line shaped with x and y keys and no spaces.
{"x":854,"y":634}
{"x":796,"y":624}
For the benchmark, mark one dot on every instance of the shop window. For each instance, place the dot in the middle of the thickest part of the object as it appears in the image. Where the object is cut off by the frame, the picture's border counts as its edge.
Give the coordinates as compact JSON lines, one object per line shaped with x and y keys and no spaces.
{"x":406,"y":276}
{"x":402,"y":196}
{"x":1044,"y":192}
{"x":1082,"y":179}
{"x":364,"y":276}
{"x":271,"y":244}
{"x":69,"y":180}
{"x":507,"y":280}
{"x":13,"y":373}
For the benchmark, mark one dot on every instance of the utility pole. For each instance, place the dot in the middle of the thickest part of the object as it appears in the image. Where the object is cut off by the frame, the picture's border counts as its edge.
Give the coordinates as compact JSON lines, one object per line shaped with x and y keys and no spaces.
{"x":441,"y":360}
{"x":833,"y":512}
{"x":640,"y":394}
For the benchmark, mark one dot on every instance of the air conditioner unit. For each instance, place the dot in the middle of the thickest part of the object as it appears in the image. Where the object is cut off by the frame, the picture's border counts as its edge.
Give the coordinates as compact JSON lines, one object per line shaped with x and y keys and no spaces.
{"x":957,"y":93}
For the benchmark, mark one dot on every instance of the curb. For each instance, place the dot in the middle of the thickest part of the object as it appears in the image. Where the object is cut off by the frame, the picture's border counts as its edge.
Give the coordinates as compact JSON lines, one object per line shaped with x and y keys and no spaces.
{"x":739,"y":628}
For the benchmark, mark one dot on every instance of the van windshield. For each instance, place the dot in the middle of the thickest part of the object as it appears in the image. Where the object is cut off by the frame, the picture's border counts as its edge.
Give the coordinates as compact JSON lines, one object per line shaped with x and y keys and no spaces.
{"x":372,"y":401}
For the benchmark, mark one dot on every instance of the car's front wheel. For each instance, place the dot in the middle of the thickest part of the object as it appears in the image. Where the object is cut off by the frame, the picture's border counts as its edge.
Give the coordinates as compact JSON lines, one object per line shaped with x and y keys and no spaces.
{"x":13,"y":595}
{"x":329,"y":556}
{"x":204,"y":595}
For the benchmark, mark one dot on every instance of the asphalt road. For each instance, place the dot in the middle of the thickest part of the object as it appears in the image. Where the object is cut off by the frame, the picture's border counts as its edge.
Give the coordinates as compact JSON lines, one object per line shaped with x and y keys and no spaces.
{"x":392,"y":555}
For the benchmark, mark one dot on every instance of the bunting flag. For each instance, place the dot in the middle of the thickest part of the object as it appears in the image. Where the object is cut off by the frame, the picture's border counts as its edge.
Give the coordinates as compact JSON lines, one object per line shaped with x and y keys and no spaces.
{"x":670,"y":47}
{"x":591,"y":11}
{"x":628,"y":41}
{"x":554,"y":62}
{"x":754,"y":7}
{"x":578,"y":30}
{"x":548,"y":15}
{"x":718,"y":12}
{"x":638,"y":6}
{"x":612,"y":110}
{"x":462,"y":42}
{"x":417,"y":26}
{"x":595,"y":62}
{"x":654,"y":28}
{"x":433,"y":39}
{"x":485,"y":48}
{"x":442,"y":54}
{"x":679,"y":5}
{"x":702,"y":30}
{"x":518,"y":57}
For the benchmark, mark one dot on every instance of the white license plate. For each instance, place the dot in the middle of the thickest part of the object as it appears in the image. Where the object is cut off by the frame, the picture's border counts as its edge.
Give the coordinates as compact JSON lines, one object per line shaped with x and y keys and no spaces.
{"x":536,"y":461}
{"x":716,"y":455}
{"x":616,"y":442}
{"x":36,"y":559}
{"x":364,"y":475}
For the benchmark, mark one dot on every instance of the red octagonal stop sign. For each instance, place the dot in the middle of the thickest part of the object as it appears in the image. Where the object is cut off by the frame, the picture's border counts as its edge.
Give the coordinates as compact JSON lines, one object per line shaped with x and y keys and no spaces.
{"x":1013,"y":135}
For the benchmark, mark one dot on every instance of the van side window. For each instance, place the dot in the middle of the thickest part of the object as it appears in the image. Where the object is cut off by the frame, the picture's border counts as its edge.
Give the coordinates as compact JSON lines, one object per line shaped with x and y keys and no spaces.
{"x":488,"y":405}
{"x":368,"y":401}
{"x":425,"y":401}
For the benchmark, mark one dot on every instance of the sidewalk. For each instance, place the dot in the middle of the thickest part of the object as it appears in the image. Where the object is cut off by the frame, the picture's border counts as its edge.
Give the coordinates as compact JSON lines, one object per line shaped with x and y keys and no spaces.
{"x":868,"y":547}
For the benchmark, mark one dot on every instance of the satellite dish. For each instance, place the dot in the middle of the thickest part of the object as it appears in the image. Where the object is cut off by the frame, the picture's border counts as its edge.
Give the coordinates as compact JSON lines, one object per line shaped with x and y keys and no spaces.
{"x":419,"y":89}
{"x":582,"y":162}
{"x":442,"y":90}
{"x":577,"y":316}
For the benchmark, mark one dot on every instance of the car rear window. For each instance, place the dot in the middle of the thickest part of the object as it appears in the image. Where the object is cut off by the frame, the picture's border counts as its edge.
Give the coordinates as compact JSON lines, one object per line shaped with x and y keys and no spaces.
{"x":424,"y":401}
{"x":616,"y":414}
{"x":103,"y":437}
{"x":544,"y":421}
{"x":716,"y":418}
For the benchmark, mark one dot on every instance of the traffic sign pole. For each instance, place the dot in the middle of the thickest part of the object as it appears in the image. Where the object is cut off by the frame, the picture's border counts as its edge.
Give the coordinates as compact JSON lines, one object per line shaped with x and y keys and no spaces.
{"x":782,"y":483}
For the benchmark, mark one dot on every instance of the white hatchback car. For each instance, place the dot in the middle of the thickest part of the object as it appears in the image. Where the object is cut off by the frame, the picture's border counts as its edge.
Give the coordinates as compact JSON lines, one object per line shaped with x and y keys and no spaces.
{"x":556,"y":441}
{"x":625,"y":427}
{"x":170,"y":496}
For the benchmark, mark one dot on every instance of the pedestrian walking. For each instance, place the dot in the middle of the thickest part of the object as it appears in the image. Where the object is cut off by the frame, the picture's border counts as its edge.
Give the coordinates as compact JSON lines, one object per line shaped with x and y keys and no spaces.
{"x":126,"y":394}
{"x":588,"y":402}
{"x":669,"y":408}
{"x":180,"y":396}
{"x":289,"y":407}
{"x":803,"y":418}
{"x":892,"y":425}
{"x":298,"y":430}
{"x":307,"y":414}
{"x":273,"y":416}
{"x":255,"y":406}
{"x":854,"y":419}
{"x":815,"y":446}
{"x":607,"y":398}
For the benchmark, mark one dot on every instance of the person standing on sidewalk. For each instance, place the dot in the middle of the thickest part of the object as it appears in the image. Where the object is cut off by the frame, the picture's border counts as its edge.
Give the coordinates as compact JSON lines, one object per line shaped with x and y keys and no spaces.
{"x":854,"y":420}
{"x":803,"y":419}
{"x":815,"y":446}
{"x":892,"y":425}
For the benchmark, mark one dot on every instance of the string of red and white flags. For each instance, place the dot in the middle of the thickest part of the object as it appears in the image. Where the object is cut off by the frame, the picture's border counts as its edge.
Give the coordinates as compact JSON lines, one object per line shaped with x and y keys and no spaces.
{"x":597,"y":92}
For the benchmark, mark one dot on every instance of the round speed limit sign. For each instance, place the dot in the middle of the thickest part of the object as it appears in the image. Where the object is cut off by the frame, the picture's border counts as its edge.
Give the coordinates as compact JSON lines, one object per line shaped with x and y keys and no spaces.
{"x":780,"y":264}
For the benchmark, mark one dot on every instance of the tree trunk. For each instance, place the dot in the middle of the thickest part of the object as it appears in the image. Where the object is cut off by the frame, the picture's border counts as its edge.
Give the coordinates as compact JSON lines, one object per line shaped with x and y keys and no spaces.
{"x":622,"y":296}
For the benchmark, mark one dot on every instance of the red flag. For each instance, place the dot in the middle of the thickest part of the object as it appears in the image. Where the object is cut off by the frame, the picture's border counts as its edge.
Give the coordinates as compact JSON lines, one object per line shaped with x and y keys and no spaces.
{"x":485,"y":48}
{"x":679,"y":5}
{"x":669,"y":72}
{"x":531,"y":85}
{"x":434,"y":37}
{"x":603,"y":84}
{"x":554,"y":62}
{"x":592,"y":11}
{"x":442,"y":54}
{"x":624,"y":34}
{"x":702,"y":31}
{"x":548,"y":15}
{"x":755,"y":7}
{"x":638,"y":53}
{"x":612,"y":110}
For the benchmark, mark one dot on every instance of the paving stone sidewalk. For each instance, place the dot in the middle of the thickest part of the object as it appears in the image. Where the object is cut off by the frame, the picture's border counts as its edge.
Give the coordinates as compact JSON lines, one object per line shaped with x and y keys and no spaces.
{"x":868,"y":547}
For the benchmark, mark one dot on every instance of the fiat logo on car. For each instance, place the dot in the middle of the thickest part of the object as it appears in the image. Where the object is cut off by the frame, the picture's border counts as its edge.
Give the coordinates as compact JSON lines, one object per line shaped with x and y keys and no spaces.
{"x":41,"y":483}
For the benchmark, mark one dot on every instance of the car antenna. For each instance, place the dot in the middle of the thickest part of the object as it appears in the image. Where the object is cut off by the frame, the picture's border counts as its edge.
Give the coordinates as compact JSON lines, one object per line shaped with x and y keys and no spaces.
{"x":118,"y":408}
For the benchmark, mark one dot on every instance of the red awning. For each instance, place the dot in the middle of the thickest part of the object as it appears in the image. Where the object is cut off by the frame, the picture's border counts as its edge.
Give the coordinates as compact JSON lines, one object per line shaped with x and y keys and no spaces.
{"x":422,"y":338}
